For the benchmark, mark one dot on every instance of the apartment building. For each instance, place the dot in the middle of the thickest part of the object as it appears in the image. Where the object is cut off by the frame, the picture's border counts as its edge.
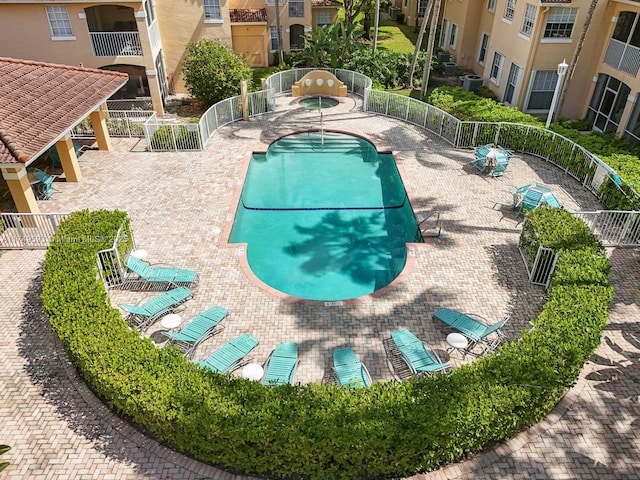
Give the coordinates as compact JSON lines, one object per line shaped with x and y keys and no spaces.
{"x":517,"y":45}
{"x":147,"y":38}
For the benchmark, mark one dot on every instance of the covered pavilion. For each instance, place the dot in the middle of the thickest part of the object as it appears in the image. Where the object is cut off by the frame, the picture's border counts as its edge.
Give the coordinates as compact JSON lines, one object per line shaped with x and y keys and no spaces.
{"x":40,"y":104}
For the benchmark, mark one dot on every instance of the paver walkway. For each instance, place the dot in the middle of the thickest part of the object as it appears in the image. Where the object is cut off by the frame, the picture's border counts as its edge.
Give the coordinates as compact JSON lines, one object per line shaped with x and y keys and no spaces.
{"x":180,"y":206}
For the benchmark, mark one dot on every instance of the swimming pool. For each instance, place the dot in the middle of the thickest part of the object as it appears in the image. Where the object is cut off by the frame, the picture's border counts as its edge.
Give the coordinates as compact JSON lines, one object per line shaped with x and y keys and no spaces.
{"x":324,"y":216}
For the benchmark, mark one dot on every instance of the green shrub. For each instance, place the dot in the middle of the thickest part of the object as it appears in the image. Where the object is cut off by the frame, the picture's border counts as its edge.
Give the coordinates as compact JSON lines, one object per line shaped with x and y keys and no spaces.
{"x":213,"y":72}
{"x":319,"y":431}
{"x":468,"y":106}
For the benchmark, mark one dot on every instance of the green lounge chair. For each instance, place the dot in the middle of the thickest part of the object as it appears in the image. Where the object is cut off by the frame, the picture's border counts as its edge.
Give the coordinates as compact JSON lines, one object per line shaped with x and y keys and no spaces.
{"x":478,"y":332}
{"x":197,"y":330}
{"x":142,"y":316}
{"x":281,"y":365}
{"x":159,"y":276}
{"x":230,"y":355}
{"x":348,"y":369}
{"x":415,"y":353}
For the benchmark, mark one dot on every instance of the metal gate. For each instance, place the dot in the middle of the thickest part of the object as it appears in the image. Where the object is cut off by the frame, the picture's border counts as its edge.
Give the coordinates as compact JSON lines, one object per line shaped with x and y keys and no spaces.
{"x":28,"y":230}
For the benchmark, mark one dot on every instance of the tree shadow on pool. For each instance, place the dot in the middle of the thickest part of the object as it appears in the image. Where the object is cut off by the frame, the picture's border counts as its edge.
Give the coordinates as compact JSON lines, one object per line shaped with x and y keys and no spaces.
{"x":356,"y":246}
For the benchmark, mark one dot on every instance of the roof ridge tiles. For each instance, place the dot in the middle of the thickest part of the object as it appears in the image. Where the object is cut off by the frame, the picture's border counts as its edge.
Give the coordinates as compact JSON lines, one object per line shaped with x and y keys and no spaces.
{"x":61,"y":66}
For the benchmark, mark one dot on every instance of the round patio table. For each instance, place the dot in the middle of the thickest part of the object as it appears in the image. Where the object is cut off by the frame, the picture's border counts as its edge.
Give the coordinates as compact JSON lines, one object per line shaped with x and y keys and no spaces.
{"x":252,"y":371}
{"x":171,"y":321}
{"x":459,"y":342}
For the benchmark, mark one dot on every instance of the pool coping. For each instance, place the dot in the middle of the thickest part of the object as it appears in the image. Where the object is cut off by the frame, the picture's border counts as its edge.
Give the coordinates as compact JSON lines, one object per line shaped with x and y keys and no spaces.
{"x":242,"y":247}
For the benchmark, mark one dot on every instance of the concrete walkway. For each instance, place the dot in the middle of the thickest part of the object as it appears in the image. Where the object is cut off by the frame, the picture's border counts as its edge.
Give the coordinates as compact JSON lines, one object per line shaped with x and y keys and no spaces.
{"x":181,"y":206}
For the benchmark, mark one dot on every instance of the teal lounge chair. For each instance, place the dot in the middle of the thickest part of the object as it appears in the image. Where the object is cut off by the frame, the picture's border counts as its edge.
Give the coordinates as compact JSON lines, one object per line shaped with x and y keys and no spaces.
{"x":230,"y":355}
{"x":197,"y":330}
{"x":415,"y":354}
{"x":142,"y":316}
{"x":281,"y":365}
{"x":478,"y":332}
{"x":158,"y":276}
{"x":348,"y":369}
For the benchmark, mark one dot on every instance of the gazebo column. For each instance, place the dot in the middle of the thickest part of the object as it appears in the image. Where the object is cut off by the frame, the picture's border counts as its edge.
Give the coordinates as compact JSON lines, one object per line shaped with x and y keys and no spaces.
{"x":69,"y":159}
{"x":20,"y":189}
{"x":99,"y":124}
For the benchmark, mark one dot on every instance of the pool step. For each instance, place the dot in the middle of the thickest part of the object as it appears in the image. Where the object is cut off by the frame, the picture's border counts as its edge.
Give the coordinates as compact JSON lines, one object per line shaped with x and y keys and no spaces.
{"x":313,"y":143}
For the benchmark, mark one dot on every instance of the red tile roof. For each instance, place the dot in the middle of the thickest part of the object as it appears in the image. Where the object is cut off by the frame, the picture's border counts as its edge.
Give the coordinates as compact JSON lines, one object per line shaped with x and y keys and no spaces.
{"x":325,"y":3}
{"x":39,"y":102}
{"x":248,"y":15}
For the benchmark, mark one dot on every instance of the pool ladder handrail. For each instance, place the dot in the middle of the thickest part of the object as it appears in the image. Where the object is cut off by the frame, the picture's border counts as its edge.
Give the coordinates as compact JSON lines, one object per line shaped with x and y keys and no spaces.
{"x":424,"y":227}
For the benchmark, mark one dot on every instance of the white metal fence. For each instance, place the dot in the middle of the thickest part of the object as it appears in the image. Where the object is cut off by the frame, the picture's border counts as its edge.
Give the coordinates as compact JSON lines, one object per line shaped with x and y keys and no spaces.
{"x":120,"y":123}
{"x":28,"y":230}
{"x":283,"y":81}
{"x":614,"y":228}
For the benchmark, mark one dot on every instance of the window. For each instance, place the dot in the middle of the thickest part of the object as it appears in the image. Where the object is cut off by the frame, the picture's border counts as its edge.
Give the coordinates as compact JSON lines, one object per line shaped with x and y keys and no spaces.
{"x":496,"y":67}
{"x":484,"y":45}
{"x":528,"y":20}
{"x":150,"y":11}
{"x":512,"y":83}
{"x":59,"y":21}
{"x":296,"y":9}
{"x":274,"y":39}
{"x":324,"y":17}
{"x":510,"y":10}
{"x":212,"y":10}
{"x":632,"y":132}
{"x":491,"y":5}
{"x":627,"y":29}
{"x":422,"y":7}
{"x":542,"y":88}
{"x":607,"y":103}
{"x":443,"y":33}
{"x":560,"y":22}
{"x":453,"y":36}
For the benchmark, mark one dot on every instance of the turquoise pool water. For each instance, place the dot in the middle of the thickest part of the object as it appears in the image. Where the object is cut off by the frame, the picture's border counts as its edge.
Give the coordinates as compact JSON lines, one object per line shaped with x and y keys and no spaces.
{"x":324,"y":217}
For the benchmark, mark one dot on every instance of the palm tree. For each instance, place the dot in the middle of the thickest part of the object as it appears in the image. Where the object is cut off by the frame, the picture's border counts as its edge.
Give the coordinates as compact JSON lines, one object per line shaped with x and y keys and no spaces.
{"x":430,"y":44}
{"x":416,"y":51}
{"x":576,"y":53}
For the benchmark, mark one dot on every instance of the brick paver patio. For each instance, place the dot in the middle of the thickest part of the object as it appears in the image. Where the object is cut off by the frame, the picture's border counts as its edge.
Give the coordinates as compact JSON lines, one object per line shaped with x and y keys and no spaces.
{"x":181,"y":205}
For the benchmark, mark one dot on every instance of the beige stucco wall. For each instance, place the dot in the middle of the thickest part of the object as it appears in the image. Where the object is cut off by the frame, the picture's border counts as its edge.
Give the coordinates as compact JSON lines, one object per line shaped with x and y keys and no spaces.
{"x":181,"y":22}
{"x":37,"y":45}
{"x":252,"y":43}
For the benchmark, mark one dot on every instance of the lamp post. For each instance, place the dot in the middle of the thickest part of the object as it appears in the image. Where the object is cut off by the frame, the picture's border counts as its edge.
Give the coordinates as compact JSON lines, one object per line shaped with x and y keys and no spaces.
{"x":562,"y":70}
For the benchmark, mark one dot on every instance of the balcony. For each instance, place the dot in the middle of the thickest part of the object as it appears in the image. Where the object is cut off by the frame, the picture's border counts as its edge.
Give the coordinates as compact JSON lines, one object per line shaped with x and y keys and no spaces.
{"x":623,"y":57}
{"x":114,"y":44}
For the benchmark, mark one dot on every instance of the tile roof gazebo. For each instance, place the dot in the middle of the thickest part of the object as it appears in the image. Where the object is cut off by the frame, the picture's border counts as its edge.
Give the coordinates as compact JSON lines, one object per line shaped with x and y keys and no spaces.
{"x":40,"y":103}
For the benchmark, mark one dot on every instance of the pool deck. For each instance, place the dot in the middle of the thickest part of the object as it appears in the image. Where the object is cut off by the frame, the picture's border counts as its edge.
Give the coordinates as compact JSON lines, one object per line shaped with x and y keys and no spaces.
{"x":181,"y":206}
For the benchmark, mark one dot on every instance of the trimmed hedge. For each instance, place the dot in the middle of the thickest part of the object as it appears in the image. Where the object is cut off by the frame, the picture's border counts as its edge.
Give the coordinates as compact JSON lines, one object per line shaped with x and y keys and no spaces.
{"x":321,"y":431}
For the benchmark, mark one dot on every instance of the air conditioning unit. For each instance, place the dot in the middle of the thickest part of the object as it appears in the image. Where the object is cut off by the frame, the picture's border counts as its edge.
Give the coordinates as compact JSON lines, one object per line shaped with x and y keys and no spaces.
{"x":472,"y":82}
{"x":449,"y":68}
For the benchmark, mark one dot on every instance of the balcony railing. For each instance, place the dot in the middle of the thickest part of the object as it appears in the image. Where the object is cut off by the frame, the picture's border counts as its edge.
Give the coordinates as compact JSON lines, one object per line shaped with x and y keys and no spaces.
{"x":113,"y":44}
{"x":623,"y":57}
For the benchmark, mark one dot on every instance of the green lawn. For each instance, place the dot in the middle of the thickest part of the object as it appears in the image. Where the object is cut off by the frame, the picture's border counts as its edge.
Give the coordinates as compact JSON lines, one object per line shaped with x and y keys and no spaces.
{"x":399,"y":38}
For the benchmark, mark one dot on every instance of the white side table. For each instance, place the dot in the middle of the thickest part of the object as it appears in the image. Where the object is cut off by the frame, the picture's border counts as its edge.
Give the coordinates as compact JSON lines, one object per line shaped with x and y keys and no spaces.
{"x":171,"y":321}
{"x":252,"y":371}
{"x":457,"y":341}
{"x":141,"y":254}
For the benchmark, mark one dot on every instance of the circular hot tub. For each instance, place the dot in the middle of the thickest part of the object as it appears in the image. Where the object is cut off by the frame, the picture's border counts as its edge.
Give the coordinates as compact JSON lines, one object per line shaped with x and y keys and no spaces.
{"x":316,"y":103}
